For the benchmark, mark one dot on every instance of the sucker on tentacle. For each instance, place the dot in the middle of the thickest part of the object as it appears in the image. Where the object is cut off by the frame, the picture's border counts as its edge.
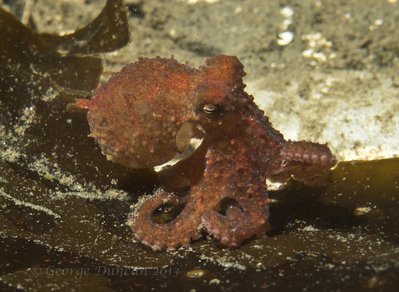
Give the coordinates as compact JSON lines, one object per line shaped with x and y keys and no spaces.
{"x":308,"y":152}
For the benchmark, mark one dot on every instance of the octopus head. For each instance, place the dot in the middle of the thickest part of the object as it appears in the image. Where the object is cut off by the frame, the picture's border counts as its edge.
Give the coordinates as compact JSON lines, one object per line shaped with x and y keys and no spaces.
{"x":219,"y":99}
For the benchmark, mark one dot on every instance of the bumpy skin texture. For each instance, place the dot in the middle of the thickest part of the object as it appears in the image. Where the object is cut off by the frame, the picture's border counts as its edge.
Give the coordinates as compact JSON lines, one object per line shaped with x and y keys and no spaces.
{"x":136,"y":117}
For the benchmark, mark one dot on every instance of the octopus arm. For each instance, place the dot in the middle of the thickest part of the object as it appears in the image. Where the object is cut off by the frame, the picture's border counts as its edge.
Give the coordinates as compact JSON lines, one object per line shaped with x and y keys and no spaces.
{"x":171,"y":235}
{"x":304,"y":161}
{"x":233,"y":176}
{"x":238,"y":224}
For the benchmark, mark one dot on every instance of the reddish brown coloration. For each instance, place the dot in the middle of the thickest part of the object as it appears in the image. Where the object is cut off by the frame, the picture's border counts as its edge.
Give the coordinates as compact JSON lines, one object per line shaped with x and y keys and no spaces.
{"x":136,"y":118}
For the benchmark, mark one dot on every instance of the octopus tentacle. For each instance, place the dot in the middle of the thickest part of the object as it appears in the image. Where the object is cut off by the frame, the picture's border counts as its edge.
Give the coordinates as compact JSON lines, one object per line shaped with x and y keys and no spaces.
{"x":308,"y":152}
{"x":238,"y":224}
{"x":171,"y":235}
{"x":304,"y":161}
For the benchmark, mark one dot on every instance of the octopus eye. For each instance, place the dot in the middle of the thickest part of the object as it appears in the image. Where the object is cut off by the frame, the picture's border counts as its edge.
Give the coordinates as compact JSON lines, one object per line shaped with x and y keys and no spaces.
{"x":211,"y":109}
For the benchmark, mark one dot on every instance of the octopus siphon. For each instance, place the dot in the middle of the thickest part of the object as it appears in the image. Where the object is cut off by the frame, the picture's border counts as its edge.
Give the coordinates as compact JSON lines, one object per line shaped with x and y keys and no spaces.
{"x":149,"y":112}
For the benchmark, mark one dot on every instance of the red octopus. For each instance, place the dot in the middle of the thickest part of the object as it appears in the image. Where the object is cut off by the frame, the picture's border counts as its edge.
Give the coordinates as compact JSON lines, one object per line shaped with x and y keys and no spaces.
{"x":147,"y":113}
